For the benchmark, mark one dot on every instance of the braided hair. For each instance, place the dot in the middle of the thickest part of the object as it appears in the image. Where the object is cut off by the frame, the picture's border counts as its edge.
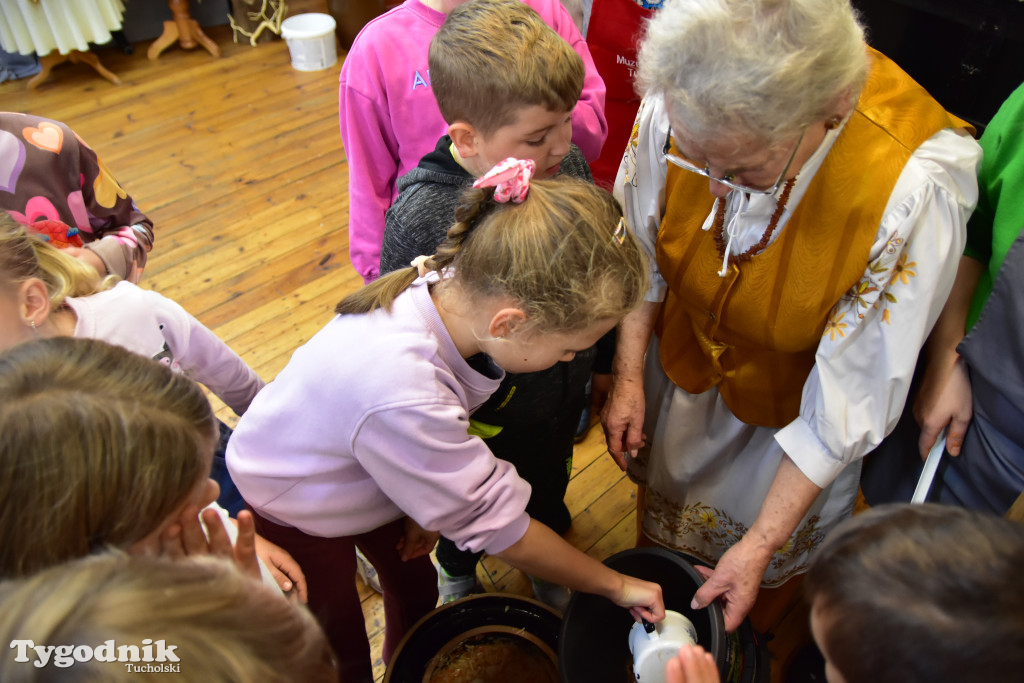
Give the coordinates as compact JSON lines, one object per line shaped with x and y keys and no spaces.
{"x":556,"y":255}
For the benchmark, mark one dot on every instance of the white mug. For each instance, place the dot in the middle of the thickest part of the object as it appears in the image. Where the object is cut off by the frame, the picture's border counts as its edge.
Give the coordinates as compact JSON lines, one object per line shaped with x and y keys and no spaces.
{"x":652,"y":651}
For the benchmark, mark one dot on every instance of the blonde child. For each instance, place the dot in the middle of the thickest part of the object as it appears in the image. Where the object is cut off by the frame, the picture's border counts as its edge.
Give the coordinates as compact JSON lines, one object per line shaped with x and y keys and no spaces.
{"x":368,"y":422}
{"x":506,"y":83}
{"x":104,"y":448}
{"x":205,"y":621}
{"x":44,"y":292}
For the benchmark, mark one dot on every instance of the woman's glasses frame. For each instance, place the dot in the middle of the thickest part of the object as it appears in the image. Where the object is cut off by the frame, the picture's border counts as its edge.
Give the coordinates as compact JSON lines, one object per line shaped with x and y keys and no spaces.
{"x":727,"y":181}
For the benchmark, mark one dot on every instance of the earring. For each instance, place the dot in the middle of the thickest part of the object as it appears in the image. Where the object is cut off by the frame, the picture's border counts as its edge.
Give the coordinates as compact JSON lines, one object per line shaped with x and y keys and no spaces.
{"x":35,"y":332}
{"x":833,"y":122}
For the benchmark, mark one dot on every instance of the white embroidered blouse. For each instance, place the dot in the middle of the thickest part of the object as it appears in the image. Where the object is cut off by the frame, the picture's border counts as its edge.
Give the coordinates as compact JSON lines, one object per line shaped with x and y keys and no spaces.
{"x":865,"y":360}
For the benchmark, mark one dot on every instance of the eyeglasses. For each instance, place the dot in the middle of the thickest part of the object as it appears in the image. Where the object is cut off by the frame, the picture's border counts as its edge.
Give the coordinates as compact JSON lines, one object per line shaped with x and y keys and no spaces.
{"x":726,"y":180}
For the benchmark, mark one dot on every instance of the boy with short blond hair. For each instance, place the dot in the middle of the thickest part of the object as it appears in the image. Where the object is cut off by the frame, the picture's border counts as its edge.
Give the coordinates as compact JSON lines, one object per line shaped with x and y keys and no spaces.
{"x":513,"y":60}
{"x":506,"y":84}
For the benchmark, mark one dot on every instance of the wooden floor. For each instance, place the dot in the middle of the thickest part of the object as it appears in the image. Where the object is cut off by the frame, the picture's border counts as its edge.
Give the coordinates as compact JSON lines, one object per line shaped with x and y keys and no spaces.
{"x":239,"y":163}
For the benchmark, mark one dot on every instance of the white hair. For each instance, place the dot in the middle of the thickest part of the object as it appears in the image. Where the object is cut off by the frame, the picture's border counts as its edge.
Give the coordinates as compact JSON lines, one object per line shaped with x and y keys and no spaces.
{"x":765,"y":68}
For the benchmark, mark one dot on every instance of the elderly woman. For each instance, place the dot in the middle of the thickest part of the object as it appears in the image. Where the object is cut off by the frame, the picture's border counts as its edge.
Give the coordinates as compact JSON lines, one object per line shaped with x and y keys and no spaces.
{"x":803,"y":203}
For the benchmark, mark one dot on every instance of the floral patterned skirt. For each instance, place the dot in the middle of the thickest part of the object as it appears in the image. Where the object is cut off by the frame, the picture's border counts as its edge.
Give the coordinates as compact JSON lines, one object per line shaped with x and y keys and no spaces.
{"x":707,"y":474}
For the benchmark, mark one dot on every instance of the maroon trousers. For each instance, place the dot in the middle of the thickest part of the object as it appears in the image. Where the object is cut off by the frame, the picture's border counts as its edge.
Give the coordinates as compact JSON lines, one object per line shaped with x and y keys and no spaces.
{"x":409,"y":588}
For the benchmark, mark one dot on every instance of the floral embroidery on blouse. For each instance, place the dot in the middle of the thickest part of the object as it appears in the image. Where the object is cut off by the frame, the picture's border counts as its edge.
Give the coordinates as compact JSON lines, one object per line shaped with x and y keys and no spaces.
{"x":890,"y":269}
{"x":835,"y":326}
{"x":629,"y":159}
{"x":902,"y":271}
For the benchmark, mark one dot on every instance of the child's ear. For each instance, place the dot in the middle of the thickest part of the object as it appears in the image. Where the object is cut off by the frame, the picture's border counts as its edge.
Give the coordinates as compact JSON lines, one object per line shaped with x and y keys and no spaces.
{"x":505,"y":322}
{"x":34,"y":304}
{"x":465,"y":137}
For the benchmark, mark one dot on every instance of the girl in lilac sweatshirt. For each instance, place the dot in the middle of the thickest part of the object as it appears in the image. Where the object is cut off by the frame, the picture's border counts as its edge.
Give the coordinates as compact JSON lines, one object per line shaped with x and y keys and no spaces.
{"x":362,"y":440}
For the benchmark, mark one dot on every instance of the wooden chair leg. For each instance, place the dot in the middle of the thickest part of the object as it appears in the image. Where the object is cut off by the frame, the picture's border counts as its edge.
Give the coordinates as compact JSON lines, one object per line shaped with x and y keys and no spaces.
{"x":166,"y":39}
{"x":204,"y":39}
{"x":94,"y":61}
{"x":46,"y":64}
{"x":183,"y":29}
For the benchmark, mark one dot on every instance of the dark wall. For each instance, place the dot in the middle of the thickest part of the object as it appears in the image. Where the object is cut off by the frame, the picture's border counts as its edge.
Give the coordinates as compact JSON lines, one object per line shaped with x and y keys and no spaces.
{"x":144,"y":19}
{"x":969,"y":54}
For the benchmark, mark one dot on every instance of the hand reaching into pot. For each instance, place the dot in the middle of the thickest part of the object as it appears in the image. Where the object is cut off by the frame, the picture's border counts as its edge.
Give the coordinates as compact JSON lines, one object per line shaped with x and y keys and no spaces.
{"x":736,"y":580}
{"x":544,"y":554}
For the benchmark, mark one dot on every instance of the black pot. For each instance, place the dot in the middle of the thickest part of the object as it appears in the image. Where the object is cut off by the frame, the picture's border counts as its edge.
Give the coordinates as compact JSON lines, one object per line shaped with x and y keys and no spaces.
{"x":591,"y":642}
{"x":594,"y":643}
{"x":490,"y":615}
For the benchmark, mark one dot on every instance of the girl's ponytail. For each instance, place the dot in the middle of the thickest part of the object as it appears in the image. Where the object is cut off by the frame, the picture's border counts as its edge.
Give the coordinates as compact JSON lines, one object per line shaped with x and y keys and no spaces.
{"x":474,"y":204}
{"x":382,"y":293}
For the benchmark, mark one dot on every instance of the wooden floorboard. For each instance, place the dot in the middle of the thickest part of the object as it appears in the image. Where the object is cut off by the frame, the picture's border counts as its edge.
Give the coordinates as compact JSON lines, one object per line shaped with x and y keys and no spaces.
{"x":239,"y":162}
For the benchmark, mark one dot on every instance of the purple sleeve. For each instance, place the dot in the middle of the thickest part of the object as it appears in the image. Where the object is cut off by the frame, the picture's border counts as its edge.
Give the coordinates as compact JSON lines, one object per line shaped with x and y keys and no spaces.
{"x":422,"y":458}
{"x":204,"y":357}
{"x":372,"y":153}
{"x":589,"y":125}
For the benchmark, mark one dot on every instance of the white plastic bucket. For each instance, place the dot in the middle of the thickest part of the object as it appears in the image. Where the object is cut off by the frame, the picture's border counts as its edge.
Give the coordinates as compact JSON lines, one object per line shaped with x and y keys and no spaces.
{"x":310,"y":41}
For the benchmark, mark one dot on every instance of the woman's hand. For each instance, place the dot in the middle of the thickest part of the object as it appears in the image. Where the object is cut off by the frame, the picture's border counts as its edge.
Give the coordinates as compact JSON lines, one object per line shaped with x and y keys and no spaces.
{"x":186,"y":538}
{"x":692,"y":665}
{"x":623,"y":419}
{"x":282,"y":566}
{"x":736,"y":580}
{"x":737,"y":577}
{"x":623,"y":414}
{"x":643,"y":599}
{"x":416,"y":542}
{"x":944,"y":399}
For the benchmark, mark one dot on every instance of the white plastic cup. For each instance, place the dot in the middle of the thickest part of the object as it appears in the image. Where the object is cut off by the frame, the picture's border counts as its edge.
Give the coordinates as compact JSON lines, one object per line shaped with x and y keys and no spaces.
{"x":652,"y":651}
{"x":310,"y":40}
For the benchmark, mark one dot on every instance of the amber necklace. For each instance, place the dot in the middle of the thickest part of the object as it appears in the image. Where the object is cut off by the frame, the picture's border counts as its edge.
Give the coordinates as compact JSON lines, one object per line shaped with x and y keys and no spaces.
{"x":719,"y":226}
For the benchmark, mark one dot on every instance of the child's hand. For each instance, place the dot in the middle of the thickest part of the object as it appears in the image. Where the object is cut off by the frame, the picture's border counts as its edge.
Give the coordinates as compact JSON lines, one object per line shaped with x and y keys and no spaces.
{"x":244,"y":552}
{"x":692,"y":665}
{"x":186,"y":538}
{"x":643,"y":599}
{"x":416,"y":542}
{"x":282,"y":566}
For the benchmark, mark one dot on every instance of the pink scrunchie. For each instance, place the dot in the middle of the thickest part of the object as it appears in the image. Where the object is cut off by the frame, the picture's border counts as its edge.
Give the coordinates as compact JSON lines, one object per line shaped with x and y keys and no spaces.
{"x":510,"y":179}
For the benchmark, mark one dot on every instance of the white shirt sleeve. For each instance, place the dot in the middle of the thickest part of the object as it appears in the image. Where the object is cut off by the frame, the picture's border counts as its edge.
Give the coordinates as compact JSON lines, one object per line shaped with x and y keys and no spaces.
{"x":857,"y":389}
{"x":640,"y":184}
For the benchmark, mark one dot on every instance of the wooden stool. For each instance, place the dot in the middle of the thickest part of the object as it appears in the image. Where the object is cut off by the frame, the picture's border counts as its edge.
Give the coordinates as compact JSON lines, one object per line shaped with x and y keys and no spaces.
{"x":47,"y":62}
{"x":183,"y":29}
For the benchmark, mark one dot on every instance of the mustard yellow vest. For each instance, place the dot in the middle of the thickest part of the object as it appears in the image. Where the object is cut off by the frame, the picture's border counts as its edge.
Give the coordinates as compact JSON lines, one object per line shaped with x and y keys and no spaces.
{"x":754,"y":332}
